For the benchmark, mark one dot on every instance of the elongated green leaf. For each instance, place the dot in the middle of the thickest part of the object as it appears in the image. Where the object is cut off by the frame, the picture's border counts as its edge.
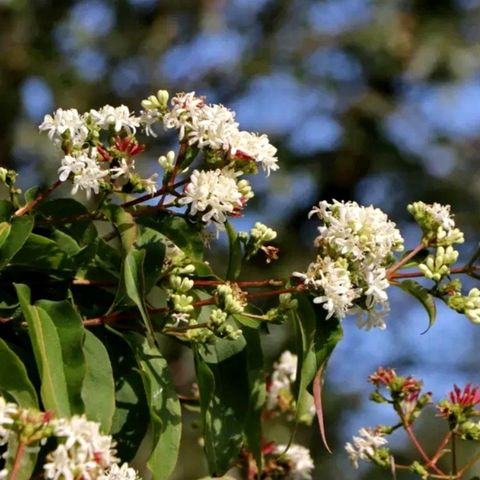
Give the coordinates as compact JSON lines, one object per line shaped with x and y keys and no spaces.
{"x":98,"y":391}
{"x":48,"y":256}
{"x":75,"y":219}
{"x":258,"y":393}
{"x":235,"y":254}
{"x":6,"y":210}
{"x":5,"y":228}
{"x":153,"y":244}
{"x":164,"y":406}
{"x":48,"y":354}
{"x":132,"y":416}
{"x":21,"y":227}
{"x":135,"y":286}
{"x":316,"y":340}
{"x":224,"y":402}
{"x":65,"y":242}
{"x":71,"y":333}
{"x":222,"y":349}
{"x":14,"y":379}
{"x":424,"y":297}
{"x":124,"y":223}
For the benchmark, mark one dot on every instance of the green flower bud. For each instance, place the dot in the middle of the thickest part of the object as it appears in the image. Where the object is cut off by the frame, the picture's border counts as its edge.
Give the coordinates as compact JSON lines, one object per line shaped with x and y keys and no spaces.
{"x":182,"y":303}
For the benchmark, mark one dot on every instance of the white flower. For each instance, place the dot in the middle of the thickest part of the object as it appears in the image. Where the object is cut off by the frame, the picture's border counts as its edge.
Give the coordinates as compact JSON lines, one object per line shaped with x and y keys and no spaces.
{"x":71,"y":164}
{"x":83,"y":452}
{"x":256,"y":147}
{"x":372,"y":317}
{"x":123,"y":169}
{"x":148,"y":118}
{"x":85,"y":170}
{"x":120,"y":473}
{"x":212,"y":127}
{"x":365,"y":445}
{"x":331,"y":280}
{"x":185,"y":106}
{"x":7,"y":410}
{"x":65,"y":122}
{"x":213,"y":193}
{"x":116,"y":117}
{"x":299,"y":460}
{"x":150,"y":184}
{"x":284,"y":374}
{"x":357,"y":232}
{"x":376,"y":284}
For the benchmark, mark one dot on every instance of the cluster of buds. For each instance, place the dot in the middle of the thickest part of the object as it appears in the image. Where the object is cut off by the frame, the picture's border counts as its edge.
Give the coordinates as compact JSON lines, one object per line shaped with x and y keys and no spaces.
{"x":437,"y":224}
{"x":81,"y":451}
{"x":230,"y":298}
{"x":467,"y":304}
{"x":9,"y":178}
{"x":404,"y":393}
{"x":437,"y":266}
{"x":258,"y":236}
{"x":459,"y":410}
{"x":280,"y":396}
{"x":286,"y":304}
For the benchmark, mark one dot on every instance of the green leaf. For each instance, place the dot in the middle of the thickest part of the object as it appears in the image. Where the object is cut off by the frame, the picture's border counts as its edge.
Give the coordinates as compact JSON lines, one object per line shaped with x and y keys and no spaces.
{"x":258,"y":393}
{"x":124,"y":223}
{"x":14,"y":379}
{"x":21,"y":227}
{"x":65,"y":243}
{"x":31,"y":194}
{"x":165,"y":411}
{"x":98,"y":390}
{"x":316,"y":340}
{"x":135,"y":286}
{"x":28,"y":459}
{"x":153,"y":244}
{"x":6,"y":210}
{"x":424,"y":297}
{"x":132,"y":415}
{"x":224,"y":403}
{"x":71,"y":333}
{"x":235,"y":254}
{"x":48,"y":354}
{"x":48,"y":256}
{"x":80,"y":227}
{"x":183,"y":234}
{"x":5,"y":228}
{"x":247,"y":321}
{"x":222,"y":349}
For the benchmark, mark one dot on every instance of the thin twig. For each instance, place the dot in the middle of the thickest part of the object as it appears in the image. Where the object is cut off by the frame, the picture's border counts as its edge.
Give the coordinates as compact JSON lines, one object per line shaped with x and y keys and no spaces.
{"x":404,"y":260}
{"x":18,"y":460}
{"x":30,"y":205}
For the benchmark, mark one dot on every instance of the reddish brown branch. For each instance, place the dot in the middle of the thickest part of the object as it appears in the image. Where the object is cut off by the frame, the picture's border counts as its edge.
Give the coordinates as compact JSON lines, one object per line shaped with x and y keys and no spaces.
{"x":30,"y":205}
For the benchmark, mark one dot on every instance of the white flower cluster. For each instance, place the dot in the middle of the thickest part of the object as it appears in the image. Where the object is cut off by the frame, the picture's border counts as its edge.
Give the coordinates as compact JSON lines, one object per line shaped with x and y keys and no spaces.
{"x":7,"y":412}
{"x":365,"y":445}
{"x":86,"y":162}
{"x":84,"y":452}
{"x":283,"y":376}
{"x":299,"y":461}
{"x":279,"y":392}
{"x":214,"y":126}
{"x":355,"y":246}
{"x":213,"y":193}
{"x":437,"y":223}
